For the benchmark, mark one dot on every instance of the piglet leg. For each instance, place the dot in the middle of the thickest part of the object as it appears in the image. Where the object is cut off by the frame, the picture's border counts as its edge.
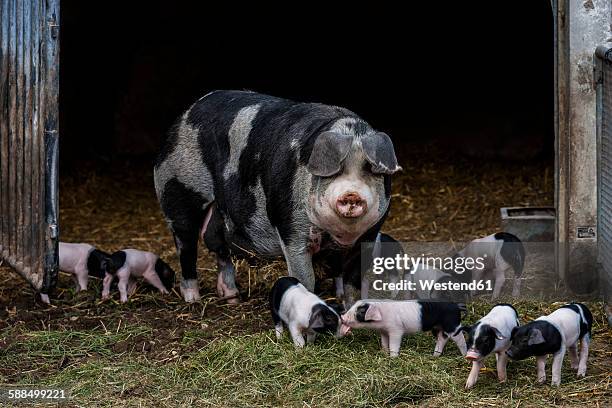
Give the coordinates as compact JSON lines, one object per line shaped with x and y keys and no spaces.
{"x":123,"y":289}
{"x":441,"y":341}
{"x":226,"y":281}
{"x":106,"y":284}
{"x":395,"y":341}
{"x":502,"y":361}
{"x":473,"y":377}
{"x":81,"y":275}
{"x":297,"y":336}
{"x":573,"y":353}
{"x":460,"y":342}
{"x":541,"y":368}
{"x":278,"y":330}
{"x":556,"y":366}
{"x":584,"y":355}
{"x":384,"y":342}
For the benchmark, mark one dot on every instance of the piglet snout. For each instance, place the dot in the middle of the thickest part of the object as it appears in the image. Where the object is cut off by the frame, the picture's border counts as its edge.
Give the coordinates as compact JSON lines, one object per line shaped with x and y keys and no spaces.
{"x":472,"y":355}
{"x":344,"y":330}
{"x":351,"y":205}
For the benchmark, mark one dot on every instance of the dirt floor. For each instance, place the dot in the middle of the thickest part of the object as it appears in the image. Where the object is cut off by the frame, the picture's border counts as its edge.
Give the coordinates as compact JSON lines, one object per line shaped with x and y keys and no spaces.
{"x":445,"y":198}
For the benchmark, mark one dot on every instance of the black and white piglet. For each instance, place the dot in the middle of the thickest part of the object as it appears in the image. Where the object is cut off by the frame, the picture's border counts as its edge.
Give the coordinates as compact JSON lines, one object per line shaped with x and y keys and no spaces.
{"x":393,"y":319}
{"x":133,"y":263}
{"x":500,"y":252}
{"x":491,"y":334}
{"x":303,"y":312}
{"x":554,"y":334}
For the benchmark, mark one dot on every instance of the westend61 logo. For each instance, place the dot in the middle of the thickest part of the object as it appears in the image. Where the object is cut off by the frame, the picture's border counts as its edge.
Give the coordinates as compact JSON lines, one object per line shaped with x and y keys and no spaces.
{"x":411,"y":264}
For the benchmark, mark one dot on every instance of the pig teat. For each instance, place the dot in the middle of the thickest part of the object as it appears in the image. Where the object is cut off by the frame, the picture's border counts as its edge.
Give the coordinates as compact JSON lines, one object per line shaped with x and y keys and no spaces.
{"x":351,"y":205}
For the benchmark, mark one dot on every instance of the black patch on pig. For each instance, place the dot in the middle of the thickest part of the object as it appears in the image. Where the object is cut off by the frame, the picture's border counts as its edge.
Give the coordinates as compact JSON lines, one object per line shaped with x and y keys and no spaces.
{"x":98,"y":263}
{"x":165,"y":273}
{"x":360,"y":312}
{"x":512,"y":251}
{"x":520,"y":349}
{"x":118,"y":259}
{"x":323,"y":319}
{"x":277,"y":292}
{"x":445,"y":316}
{"x":485,"y":342}
{"x":585,"y":326}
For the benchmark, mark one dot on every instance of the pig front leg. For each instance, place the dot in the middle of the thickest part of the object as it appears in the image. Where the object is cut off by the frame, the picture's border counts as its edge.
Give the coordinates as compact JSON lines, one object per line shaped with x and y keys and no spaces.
{"x":278,"y":330}
{"x":441,"y":340}
{"x":296,"y":335}
{"x":395,"y":342}
{"x":473,"y":377}
{"x":459,"y":340}
{"x":584,"y":355}
{"x":299,"y":260}
{"x":106,"y":285}
{"x":384,"y":342}
{"x":541,"y":368}
{"x":556,"y":366}
{"x":502,"y":362}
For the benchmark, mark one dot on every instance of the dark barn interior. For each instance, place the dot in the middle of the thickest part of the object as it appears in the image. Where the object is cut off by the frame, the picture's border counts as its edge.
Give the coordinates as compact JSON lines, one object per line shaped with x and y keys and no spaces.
{"x":468,"y":77}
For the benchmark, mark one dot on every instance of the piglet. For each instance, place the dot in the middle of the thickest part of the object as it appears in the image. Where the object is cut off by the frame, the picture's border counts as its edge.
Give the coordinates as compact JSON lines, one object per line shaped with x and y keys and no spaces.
{"x":83,"y":260}
{"x":393,"y":319}
{"x":491,"y":334}
{"x":301,"y":311}
{"x":130,"y":264}
{"x":554,"y":334}
{"x":501,"y":252}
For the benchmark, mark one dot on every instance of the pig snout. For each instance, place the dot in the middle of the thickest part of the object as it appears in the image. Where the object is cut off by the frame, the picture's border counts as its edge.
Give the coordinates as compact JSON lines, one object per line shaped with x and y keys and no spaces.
{"x":344,"y":330}
{"x":351,"y":205}
{"x":472,"y":355}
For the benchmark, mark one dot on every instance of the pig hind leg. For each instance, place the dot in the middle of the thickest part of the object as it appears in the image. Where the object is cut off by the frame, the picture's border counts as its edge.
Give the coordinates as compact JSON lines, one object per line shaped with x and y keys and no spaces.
{"x":573,"y":353}
{"x":226,"y":281}
{"x":584,"y":355}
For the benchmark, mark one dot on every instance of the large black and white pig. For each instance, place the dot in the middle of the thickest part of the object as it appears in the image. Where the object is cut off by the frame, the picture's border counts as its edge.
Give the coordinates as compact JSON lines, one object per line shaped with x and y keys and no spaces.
{"x":394,"y":318}
{"x":491,"y":334}
{"x":303,"y":312}
{"x":256,"y":174}
{"x":501,"y":252}
{"x":554,"y":334}
{"x":132,"y":264}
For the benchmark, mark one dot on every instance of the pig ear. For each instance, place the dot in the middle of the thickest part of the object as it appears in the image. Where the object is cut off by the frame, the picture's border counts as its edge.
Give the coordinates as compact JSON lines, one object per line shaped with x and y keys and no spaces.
{"x":379,"y":151}
{"x":373,"y":314}
{"x":329,"y":151}
{"x":535,"y":337}
{"x":498,"y":334}
{"x":316,"y":320}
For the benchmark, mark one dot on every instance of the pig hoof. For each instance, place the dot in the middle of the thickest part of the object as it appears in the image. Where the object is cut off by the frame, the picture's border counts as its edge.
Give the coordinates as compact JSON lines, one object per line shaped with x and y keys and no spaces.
{"x":469,"y":385}
{"x":541,"y":380}
{"x":555,"y":383}
{"x":581,"y":372}
{"x":45,"y":298}
{"x":190,"y":290}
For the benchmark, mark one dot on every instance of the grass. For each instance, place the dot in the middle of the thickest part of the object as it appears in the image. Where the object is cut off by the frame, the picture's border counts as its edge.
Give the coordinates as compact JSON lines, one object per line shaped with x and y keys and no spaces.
{"x":256,"y":370}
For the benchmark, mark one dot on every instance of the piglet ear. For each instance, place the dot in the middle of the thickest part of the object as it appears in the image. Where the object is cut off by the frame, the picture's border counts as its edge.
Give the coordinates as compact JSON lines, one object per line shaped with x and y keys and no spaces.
{"x":316,"y":320}
{"x":535,"y":337}
{"x":329,"y":151}
{"x":373,"y":313}
{"x":379,"y":151}
{"x":498,"y":334}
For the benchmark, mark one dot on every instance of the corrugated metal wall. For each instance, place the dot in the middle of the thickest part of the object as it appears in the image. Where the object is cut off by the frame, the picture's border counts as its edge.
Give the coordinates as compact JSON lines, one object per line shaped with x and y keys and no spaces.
{"x":604,"y":148}
{"x":29,"y":85}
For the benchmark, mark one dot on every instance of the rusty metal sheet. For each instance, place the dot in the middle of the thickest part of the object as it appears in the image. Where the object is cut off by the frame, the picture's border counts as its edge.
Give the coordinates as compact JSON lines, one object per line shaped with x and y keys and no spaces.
{"x":29,"y":88}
